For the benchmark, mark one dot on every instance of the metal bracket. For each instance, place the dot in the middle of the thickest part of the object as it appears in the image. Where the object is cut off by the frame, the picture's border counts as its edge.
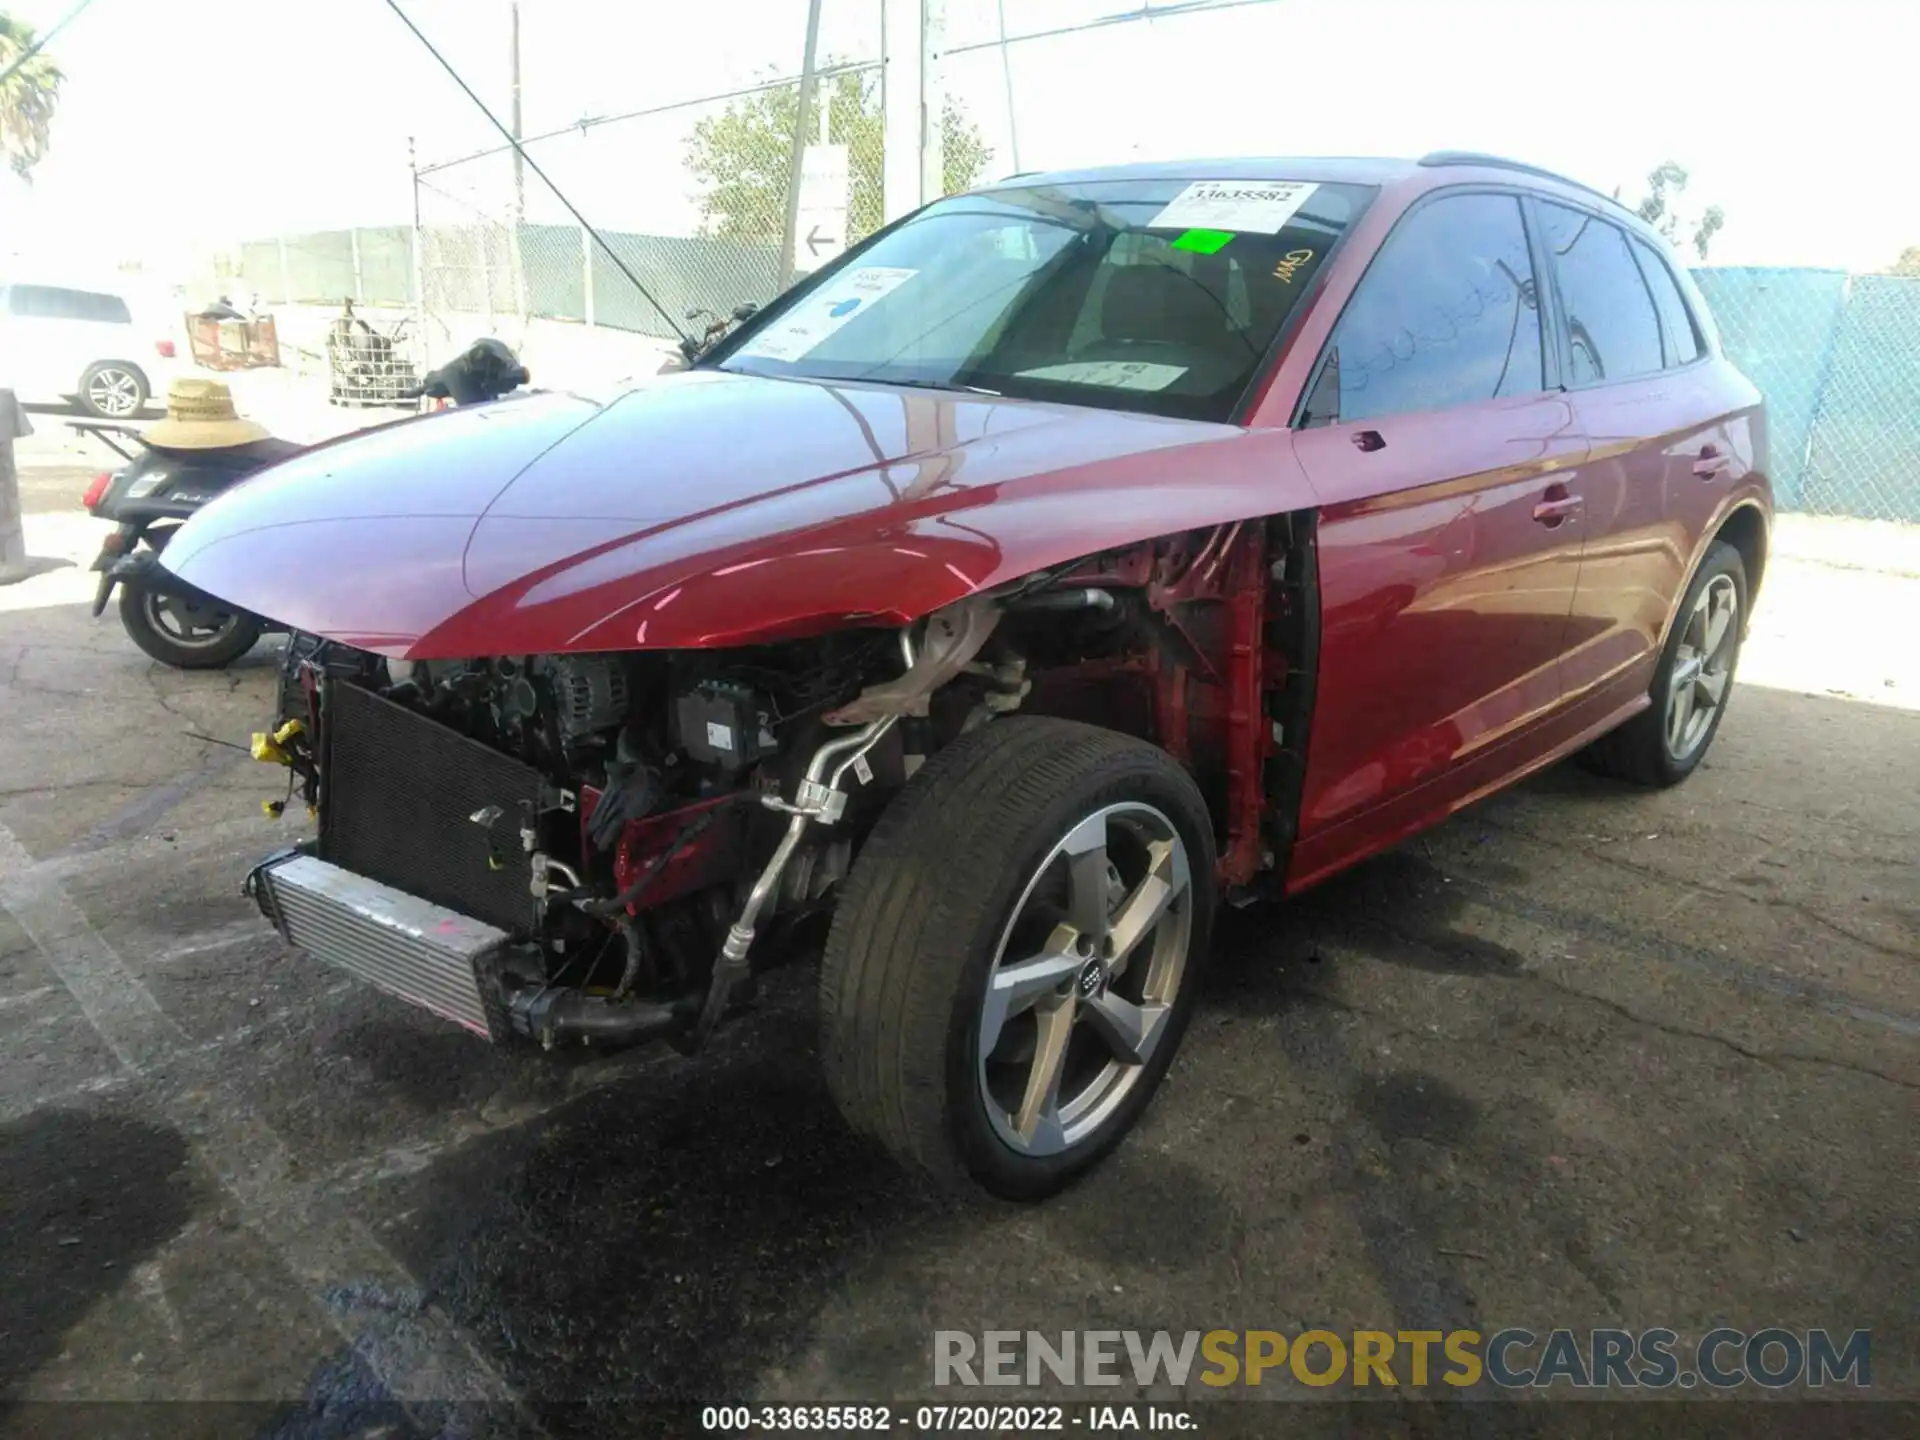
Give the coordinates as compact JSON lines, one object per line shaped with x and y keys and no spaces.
{"x":953,"y":637}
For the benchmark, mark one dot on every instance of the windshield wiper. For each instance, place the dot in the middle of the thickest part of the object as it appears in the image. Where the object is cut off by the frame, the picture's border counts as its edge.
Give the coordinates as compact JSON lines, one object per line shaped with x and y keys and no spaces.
{"x":935,"y":385}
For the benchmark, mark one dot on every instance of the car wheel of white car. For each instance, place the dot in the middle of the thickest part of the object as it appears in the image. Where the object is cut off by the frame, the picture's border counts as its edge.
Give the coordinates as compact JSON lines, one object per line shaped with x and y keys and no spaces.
{"x":1017,"y":952}
{"x":113,"y":391}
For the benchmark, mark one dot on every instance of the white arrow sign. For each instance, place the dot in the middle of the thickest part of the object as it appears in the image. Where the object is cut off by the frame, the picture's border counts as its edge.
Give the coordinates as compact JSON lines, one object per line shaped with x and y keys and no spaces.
{"x":821,"y":234}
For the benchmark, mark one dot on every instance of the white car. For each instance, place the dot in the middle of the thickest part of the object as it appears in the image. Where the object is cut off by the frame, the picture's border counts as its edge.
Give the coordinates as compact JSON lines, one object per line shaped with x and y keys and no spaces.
{"x":85,"y":346}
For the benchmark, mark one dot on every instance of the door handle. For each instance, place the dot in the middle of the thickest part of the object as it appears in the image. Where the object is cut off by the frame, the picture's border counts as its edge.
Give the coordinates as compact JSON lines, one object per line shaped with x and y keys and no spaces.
{"x":1368,"y":441}
{"x":1558,"y":510}
{"x":1711,"y":462}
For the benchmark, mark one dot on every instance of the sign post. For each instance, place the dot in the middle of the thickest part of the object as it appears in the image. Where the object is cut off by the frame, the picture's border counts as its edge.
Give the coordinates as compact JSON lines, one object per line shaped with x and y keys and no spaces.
{"x":13,"y":540}
{"x":820,"y":233}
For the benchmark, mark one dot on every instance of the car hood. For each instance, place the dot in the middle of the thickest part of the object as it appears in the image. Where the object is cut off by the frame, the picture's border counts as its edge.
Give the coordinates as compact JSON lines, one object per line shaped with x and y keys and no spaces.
{"x":703,"y":509}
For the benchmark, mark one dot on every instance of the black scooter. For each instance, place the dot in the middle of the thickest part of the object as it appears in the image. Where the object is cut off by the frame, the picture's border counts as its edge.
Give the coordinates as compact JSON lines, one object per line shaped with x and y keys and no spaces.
{"x":152,"y":496}
{"x":158,"y":490}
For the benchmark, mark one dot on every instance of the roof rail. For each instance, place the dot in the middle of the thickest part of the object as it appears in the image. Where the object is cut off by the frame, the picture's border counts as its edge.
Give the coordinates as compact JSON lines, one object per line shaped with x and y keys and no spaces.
{"x":1500,"y":162}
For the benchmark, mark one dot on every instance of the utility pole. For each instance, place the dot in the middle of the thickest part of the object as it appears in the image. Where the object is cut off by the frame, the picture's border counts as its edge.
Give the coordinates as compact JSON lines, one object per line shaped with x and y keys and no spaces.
{"x":796,"y":160}
{"x":1006,"y":74}
{"x":519,"y":164}
{"x":911,"y":167}
{"x":514,"y":257}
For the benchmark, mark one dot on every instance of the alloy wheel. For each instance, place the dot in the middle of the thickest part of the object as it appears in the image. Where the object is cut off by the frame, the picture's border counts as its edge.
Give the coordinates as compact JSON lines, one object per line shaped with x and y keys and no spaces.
{"x":1083,"y":983}
{"x":113,"y":391}
{"x":1702,"y":667}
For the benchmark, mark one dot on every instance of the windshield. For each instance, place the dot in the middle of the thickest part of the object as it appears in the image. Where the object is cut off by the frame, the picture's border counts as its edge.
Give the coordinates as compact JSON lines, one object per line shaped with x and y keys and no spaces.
{"x":1160,"y":295}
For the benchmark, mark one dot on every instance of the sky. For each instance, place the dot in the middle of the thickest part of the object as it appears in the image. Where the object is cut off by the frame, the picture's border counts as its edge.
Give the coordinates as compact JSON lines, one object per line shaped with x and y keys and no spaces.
{"x":191,"y":124}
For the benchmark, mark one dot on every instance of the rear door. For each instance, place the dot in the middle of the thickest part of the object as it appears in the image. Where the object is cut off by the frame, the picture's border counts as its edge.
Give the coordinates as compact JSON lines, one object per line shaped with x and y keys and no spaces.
{"x":1446,"y":569}
{"x":55,"y":334}
{"x":1661,"y":462}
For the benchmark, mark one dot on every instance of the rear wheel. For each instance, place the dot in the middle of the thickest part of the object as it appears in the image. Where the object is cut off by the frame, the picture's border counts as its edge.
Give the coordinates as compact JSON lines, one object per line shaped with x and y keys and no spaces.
{"x":113,"y":390}
{"x":1017,"y":953}
{"x":186,"y":634}
{"x":1666,"y":742}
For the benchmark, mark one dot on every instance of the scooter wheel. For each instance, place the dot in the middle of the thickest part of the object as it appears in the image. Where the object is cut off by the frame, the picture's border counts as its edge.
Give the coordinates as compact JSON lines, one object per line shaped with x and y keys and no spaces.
{"x":182,"y":634}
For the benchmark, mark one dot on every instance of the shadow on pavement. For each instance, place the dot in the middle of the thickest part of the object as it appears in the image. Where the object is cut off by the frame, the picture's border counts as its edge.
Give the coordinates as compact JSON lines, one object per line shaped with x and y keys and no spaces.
{"x":82,"y":1198}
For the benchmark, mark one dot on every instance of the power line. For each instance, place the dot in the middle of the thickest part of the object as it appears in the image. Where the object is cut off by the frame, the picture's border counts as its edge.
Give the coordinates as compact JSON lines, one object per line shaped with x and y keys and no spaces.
{"x":760,"y":87}
{"x":520,"y":150}
{"x":1148,"y":12}
{"x":41,"y":43}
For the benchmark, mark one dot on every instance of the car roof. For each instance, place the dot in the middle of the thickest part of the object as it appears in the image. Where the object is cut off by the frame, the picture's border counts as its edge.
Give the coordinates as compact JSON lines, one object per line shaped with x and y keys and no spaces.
{"x":1430,"y":170}
{"x":1357,"y":170}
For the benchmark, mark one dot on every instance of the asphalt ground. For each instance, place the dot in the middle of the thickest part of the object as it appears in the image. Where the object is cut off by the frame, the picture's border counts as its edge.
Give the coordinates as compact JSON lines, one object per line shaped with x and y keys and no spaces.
{"x":1583,"y":1056}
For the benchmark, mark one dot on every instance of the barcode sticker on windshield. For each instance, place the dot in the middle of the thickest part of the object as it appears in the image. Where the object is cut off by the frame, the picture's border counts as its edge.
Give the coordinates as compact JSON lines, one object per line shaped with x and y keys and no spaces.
{"x":1115,"y":374}
{"x":1254,"y":206}
{"x":832,"y":305}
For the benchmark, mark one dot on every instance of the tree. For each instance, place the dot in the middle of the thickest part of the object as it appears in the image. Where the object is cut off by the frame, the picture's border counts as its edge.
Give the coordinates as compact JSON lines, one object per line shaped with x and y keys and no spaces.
{"x":741,"y":156}
{"x":26,"y":99}
{"x":1660,"y":209}
{"x":1908,"y":264}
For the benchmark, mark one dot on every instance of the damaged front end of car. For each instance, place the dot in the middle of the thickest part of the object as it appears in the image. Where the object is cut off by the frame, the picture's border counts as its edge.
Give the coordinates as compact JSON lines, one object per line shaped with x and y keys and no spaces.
{"x":584,"y":848}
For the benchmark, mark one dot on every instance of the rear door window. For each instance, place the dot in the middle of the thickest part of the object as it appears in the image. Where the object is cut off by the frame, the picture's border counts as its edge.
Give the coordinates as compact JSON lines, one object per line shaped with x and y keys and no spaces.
{"x":1447,"y":314}
{"x":50,"y":302}
{"x":1613,"y":331}
{"x":1677,"y":331}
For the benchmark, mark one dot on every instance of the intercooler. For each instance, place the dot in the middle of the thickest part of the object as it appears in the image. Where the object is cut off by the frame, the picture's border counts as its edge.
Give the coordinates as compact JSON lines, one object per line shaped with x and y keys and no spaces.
{"x":409,"y":947}
{"x":399,"y":793}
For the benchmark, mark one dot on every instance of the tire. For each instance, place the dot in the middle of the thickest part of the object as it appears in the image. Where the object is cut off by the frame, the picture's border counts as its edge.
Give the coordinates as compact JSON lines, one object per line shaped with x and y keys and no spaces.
{"x":966,"y":863}
{"x":113,"y":390}
{"x":146,"y":622}
{"x":1644,"y":749}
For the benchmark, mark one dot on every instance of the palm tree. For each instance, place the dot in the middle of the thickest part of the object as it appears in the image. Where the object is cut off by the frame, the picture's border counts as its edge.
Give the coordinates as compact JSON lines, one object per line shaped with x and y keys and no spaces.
{"x":26,"y":99}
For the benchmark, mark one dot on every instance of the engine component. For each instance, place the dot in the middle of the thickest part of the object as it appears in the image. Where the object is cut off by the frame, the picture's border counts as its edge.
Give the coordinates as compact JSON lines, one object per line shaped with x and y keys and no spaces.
{"x":395,"y":777}
{"x":551,"y":1016}
{"x":590,"y":693}
{"x":633,"y":792}
{"x":723,"y":724}
{"x":819,"y":799}
{"x":412,"y":948}
{"x":953,"y":637}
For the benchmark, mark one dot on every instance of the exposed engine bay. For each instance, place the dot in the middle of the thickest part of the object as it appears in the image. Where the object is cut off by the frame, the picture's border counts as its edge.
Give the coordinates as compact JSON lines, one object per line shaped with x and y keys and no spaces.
{"x":622,"y":826}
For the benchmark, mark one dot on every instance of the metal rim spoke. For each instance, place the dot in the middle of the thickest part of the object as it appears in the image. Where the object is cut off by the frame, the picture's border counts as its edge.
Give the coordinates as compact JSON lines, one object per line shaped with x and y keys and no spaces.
{"x":1131,"y":1031}
{"x":1012,"y":989}
{"x":1702,"y":667}
{"x":1038,"y":1119}
{"x":1681,"y":714}
{"x":1164,"y":883}
{"x":1086,"y":850}
{"x":1110,"y":888}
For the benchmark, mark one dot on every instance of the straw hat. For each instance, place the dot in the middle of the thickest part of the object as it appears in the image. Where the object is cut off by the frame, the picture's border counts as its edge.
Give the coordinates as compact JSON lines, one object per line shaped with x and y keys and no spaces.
{"x":200,"y":416}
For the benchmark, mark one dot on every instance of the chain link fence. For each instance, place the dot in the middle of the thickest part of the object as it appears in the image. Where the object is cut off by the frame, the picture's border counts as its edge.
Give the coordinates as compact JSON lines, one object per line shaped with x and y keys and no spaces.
{"x":1838,"y":358}
{"x":692,"y":197}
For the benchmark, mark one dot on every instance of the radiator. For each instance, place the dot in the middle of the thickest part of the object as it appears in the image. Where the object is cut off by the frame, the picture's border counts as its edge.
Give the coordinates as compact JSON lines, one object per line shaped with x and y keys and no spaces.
{"x":421,"y":952}
{"x":398,"y":795}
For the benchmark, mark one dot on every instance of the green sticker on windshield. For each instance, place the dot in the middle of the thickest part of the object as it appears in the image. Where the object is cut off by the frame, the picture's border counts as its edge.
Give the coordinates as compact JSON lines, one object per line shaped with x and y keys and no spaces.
{"x":1203,"y":242}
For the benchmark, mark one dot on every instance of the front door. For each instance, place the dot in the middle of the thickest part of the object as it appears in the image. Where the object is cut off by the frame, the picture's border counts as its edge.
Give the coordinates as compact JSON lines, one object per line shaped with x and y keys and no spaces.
{"x":1449,"y":543}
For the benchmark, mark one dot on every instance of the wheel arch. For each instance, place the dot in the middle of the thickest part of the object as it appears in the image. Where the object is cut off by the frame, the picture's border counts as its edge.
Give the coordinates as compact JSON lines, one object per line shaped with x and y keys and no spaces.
{"x":1745,"y":528}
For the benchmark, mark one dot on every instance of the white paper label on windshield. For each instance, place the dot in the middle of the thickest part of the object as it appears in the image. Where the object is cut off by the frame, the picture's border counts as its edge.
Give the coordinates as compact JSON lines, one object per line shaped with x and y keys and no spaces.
{"x":1260,"y":207}
{"x":1115,"y":374}
{"x":832,"y":305}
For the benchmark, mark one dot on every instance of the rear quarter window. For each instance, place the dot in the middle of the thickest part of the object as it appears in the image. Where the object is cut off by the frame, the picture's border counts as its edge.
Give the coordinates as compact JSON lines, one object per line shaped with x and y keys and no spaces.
{"x":51,"y":302}
{"x":1678,"y":334}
